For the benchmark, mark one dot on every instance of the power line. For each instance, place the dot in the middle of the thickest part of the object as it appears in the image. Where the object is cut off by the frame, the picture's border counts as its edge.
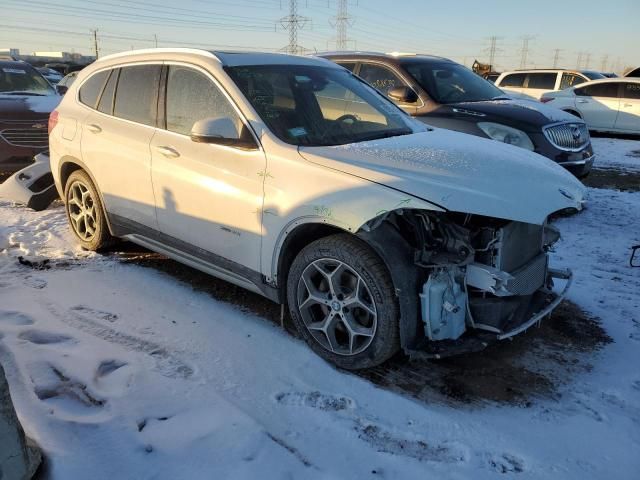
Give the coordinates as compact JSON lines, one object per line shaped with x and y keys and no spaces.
{"x":292,"y":23}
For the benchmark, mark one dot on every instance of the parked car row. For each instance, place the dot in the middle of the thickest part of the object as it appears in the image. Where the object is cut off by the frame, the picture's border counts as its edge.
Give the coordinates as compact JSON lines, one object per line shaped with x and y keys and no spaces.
{"x":294,"y":178}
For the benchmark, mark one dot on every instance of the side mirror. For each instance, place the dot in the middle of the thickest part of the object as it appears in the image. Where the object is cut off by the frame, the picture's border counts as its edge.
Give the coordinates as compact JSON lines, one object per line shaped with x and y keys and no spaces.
{"x":61,"y":89}
{"x":222,"y":131}
{"x":403,"y":95}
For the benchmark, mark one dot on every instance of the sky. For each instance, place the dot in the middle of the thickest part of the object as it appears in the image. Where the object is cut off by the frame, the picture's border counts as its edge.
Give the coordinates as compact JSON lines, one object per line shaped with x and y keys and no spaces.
{"x":600,"y":34}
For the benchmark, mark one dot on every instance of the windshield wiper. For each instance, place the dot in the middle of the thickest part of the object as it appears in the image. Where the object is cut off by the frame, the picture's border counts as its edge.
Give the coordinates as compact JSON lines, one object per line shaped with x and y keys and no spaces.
{"x":385,"y":134}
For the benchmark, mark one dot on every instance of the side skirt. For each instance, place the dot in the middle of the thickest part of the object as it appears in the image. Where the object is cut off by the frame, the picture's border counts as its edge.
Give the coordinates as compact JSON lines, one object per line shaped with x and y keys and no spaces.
{"x":193,"y":256}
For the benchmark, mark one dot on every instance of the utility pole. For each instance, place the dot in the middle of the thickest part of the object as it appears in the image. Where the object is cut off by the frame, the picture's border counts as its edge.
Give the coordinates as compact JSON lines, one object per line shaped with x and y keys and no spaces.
{"x":524,"y":52}
{"x":155,"y":39}
{"x":604,"y":63}
{"x":556,"y":57}
{"x":293,"y":22}
{"x":95,"y":42}
{"x":341,"y":21}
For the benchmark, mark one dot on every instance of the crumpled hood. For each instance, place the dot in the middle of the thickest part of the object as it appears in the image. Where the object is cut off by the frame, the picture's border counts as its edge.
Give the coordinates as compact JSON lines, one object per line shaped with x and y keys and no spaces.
{"x":461,"y":173}
{"x":525,"y":112}
{"x":27,"y":107}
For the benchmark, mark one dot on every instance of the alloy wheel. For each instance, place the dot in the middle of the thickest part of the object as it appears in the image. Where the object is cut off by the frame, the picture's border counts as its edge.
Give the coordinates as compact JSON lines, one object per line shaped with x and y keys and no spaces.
{"x":337,"y":307}
{"x":82,"y":211}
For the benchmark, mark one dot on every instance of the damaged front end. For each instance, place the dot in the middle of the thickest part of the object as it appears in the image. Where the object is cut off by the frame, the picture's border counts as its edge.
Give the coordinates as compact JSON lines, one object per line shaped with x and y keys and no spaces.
{"x":479,"y":279}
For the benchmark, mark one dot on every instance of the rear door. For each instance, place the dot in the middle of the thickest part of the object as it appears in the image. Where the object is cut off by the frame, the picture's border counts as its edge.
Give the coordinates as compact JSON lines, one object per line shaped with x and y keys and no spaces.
{"x":570,"y":80}
{"x":598,"y":104}
{"x":115,"y":142}
{"x":539,"y":83}
{"x":629,"y":115}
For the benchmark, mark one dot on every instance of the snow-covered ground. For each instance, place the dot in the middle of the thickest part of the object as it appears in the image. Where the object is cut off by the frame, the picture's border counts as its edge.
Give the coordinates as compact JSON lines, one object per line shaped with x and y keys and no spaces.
{"x":121,"y":371}
{"x":616,"y":153}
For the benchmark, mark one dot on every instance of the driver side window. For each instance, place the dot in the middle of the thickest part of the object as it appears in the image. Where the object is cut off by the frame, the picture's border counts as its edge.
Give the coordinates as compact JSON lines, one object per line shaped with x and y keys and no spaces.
{"x":192,"y":96}
{"x":381,"y":78}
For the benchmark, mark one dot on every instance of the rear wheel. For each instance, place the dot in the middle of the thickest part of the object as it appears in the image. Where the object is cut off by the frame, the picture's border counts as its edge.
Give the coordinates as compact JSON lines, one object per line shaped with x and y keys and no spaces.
{"x":342,"y":301}
{"x":85,"y":213}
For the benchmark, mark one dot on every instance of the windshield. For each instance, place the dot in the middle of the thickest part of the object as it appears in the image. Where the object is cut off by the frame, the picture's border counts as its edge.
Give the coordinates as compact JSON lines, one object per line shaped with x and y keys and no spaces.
{"x":592,"y":75}
{"x":318,"y":106}
{"x":448,"y":82}
{"x":21,"y":79}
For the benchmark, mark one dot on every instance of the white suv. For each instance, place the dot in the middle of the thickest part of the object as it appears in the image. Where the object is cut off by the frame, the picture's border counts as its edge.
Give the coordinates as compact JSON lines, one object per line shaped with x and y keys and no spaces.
{"x":293,"y":178}
{"x":534,"y":83}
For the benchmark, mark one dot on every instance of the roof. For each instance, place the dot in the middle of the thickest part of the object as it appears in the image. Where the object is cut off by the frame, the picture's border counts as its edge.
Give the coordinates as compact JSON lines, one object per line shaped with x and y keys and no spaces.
{"x":391,"y":55}
{"x":611,"y":80}
{"x":226,"y":58}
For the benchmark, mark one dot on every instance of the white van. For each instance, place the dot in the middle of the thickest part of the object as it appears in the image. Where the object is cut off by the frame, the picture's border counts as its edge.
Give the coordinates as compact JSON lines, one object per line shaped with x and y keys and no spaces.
{"x":534,"y":83}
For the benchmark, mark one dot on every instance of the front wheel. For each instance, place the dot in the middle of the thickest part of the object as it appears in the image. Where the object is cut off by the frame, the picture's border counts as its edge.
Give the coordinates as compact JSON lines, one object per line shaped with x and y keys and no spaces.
{"x":342,"y":301}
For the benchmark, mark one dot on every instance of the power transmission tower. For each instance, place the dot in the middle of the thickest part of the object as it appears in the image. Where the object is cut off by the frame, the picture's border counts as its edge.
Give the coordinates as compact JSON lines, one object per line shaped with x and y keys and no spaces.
{"x":587,"y":61}
{"x":341,"y":21}
{"x":604,"y":63}
{"x":493,"y":50}
{"x":293,"y":22}
{"x":556,"y":57}
{"x":524,"y":51}
{"x":579,"y":62}
{"x":95,"y":41}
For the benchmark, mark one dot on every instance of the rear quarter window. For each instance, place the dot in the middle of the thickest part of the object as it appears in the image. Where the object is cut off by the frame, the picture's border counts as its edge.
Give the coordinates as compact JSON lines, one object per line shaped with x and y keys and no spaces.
{"x":91,"y":88}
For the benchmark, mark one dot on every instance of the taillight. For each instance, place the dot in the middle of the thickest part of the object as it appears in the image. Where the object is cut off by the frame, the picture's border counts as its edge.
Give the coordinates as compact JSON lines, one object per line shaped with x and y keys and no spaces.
{"x":546,"y":99}
{"x":53,"y":120}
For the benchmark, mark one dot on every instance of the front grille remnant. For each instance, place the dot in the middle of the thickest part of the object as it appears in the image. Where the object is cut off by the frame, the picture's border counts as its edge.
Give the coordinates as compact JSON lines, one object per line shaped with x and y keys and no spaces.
{"x":568,"y":136}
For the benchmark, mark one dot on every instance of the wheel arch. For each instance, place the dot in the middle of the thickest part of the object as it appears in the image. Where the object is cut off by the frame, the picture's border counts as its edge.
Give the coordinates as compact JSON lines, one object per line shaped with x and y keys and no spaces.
{"x":68,"y":165}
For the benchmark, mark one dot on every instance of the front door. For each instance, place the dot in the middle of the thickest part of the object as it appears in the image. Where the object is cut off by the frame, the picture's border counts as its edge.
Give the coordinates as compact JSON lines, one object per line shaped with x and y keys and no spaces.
{"x":208,"y":196}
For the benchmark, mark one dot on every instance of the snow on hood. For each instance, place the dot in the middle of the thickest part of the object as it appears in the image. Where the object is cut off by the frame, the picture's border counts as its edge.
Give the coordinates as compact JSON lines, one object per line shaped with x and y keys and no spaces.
{"x":461,"y":173}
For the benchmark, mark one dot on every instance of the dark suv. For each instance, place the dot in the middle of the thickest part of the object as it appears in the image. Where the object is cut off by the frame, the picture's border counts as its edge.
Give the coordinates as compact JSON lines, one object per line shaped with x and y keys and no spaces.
{"x":446,"y":94}
{"x":26,"y":100}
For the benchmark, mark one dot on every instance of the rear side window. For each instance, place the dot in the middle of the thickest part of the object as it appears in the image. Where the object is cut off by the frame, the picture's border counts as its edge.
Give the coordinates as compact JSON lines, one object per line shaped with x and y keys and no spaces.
{"x":598,"y":90}
{"x":544,"y":81}
{"x":137,"y":94}
{"x":513,"y":80}
{"x":192,"y":96}
{"x":570,"y":80}
{"x":90,"y":90}
{"x":380,"y":78}
{"x":351,"y":66}
{"x":631,"y":90}
{"x":105,"y":105}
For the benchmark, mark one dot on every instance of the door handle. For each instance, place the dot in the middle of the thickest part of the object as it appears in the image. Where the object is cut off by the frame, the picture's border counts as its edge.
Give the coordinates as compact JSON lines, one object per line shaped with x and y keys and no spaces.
{"x":93,"y":128}
{"x":628,"y":104}
{"x":168,"y":152}
{"x":582,"y":101}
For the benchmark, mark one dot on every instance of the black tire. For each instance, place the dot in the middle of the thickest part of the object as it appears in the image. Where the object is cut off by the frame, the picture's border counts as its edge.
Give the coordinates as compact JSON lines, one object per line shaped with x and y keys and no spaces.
{"x":101,"y":237}
{"x":357,"y":257}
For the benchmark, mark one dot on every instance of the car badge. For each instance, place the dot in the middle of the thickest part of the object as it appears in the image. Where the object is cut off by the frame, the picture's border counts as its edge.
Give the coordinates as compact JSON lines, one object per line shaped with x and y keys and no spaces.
{"x":575,"y":132}
{"x":39,"y":126}
{"x":566,"y":194}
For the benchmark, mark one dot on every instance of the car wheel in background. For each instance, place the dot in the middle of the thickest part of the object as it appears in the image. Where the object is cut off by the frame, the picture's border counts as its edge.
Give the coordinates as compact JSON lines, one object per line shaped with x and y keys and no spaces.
{"x":342,"y":301}
{"x":85,"y":213}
